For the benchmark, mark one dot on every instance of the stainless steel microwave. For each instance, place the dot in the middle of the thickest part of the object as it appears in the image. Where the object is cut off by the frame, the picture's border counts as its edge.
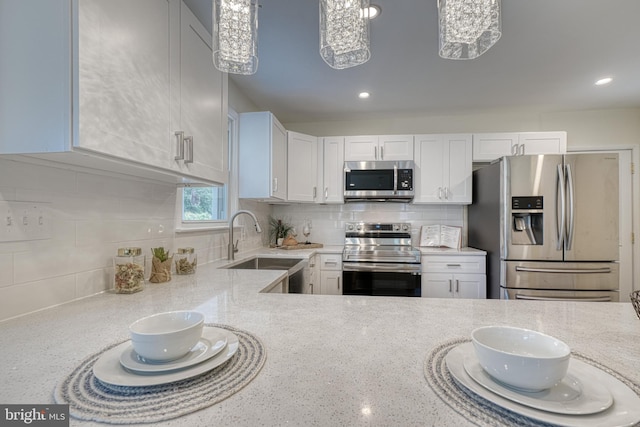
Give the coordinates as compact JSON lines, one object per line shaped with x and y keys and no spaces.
{"x":379,"y":181}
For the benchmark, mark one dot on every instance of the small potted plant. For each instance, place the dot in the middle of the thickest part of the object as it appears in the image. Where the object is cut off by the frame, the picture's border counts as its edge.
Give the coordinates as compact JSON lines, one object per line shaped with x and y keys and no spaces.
{"x":278,"y":230}
{"x":160,"y":265}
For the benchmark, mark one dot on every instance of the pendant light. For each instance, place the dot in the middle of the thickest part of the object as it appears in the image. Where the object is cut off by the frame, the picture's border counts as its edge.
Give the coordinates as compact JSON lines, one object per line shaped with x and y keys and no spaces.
{"x":344,"y":32}
{"x":235,"y":36}
{"x":468,"y":28}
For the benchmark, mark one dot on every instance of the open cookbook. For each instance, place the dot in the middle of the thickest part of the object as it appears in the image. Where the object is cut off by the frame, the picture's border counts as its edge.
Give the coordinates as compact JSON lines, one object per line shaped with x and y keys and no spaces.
{"x":440,"y":236}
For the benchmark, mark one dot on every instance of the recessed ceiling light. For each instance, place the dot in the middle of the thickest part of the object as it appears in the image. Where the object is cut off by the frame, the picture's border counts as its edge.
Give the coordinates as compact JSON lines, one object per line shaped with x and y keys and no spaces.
{"x":604,"y":81}
{"x":364,"y":95}
{"x":371,"y":12}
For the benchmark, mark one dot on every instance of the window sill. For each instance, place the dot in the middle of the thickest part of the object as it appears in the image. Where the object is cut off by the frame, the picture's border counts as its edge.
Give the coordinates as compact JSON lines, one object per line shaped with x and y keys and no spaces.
{"x":197,"y":229}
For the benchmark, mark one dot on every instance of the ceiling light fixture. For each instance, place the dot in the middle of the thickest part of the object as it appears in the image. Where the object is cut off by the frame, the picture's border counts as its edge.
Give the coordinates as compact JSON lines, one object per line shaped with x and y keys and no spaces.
{"x":344,"y":33}
{"x":604,"y":81}
{"x":235,"y":36}
{"x":373,"y":11}
{"x":364,"y":95}
{"x":468,"y":28}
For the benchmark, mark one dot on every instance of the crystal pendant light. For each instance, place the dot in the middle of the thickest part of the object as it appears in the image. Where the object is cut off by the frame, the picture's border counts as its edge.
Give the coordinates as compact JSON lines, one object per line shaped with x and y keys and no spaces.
{"x":235,"y":36}
{"x":344,"y":33}
{"x":468,"y":28}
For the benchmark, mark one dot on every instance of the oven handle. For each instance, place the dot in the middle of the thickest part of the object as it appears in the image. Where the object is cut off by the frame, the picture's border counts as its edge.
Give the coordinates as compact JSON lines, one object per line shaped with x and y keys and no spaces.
{"x":402,"y":268}
{"x":591,"y":299}
{"x":565,"y":270}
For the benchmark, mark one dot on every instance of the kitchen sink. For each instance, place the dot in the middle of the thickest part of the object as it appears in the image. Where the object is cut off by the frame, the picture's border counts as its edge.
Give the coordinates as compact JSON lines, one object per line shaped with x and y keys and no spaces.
{"x":294,"y":266}
{"x":263,"y":263}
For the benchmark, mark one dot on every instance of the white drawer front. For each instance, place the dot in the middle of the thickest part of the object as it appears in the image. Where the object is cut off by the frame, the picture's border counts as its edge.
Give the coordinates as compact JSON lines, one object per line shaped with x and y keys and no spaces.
{"x":331,"y":262}
{"x":453,"y":264}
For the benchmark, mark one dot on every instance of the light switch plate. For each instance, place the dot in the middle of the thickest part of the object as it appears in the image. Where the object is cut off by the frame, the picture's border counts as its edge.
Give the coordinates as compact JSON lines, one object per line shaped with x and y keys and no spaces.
{"x":23,"y":221}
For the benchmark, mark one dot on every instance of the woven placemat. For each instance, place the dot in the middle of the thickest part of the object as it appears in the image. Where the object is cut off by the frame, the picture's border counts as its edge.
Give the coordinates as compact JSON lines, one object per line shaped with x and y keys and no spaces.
{"x":475,"y":408}
{"x":90,"y":399}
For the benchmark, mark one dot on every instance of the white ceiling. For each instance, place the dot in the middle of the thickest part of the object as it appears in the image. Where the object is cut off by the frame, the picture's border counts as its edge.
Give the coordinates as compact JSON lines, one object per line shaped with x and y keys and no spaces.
{"x":550,"y":54}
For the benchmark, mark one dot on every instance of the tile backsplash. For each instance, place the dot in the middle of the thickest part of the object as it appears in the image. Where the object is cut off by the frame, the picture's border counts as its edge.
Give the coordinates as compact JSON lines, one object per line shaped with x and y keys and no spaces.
{"x":92,"y":214}
{"x":328,"y":221}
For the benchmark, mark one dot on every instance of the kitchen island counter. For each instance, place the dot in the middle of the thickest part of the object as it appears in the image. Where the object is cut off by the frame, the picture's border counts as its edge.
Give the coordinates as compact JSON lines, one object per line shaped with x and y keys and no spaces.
{"x":331,"y":360}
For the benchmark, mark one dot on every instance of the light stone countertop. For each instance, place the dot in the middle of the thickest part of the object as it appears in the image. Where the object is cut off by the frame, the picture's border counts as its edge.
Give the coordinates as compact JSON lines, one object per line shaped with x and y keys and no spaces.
{"x":331,"y":360}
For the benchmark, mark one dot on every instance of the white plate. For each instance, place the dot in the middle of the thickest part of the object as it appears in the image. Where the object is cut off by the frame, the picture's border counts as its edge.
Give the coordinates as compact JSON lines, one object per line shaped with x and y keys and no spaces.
{"x":109,"y":370}
{"x":570,"y":396}
{"x":212,"y":342}
{"x":625,"y":410}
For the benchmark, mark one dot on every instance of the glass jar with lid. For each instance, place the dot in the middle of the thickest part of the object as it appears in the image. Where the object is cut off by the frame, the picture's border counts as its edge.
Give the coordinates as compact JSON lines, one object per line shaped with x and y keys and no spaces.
{"x":129,"y":270}
{"x":186,"y":261}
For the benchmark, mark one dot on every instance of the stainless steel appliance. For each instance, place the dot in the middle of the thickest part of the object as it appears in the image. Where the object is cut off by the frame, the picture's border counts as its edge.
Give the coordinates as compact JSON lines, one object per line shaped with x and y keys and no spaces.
{"x":379,"y":181}
{"x":379,"y":259}
{"x":549,"y":225}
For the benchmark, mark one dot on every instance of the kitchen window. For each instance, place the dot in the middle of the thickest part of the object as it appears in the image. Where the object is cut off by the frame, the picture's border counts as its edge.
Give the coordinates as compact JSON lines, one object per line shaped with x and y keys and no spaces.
{"x":208,"y":206}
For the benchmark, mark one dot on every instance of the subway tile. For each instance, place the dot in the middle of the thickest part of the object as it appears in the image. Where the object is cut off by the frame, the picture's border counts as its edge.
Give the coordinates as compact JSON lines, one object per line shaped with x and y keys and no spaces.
{"x":6,"y":269}
{"x":93,"y":282}
{"x":27,"y":297}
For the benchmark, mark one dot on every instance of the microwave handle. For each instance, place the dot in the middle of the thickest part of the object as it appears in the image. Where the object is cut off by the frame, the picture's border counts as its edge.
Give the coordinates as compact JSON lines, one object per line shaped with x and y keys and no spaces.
{"x":395,"y":178}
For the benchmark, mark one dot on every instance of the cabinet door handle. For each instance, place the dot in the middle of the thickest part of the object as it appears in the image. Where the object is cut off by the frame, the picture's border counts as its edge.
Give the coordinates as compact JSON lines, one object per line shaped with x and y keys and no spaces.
{"x":375,"y":153}
{"x":189,"y":149}
{"x":450,"y":286}
{"x":446,"y":193}
{"x":338,"y":282}
{"x":440,"y":193}
{"x":381,"y":153}
{"x":457,"y":286}
{"x":521,"y":149}
{"x":514,"y":149}
{"x":326,"y":193}
{"x":274,"y":187}
{"x":179,"y":145}
{"x":315,"y":192}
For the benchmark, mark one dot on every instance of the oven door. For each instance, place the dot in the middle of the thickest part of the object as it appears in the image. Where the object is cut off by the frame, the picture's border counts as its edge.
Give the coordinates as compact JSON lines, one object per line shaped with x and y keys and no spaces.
{"x":381,"y":279}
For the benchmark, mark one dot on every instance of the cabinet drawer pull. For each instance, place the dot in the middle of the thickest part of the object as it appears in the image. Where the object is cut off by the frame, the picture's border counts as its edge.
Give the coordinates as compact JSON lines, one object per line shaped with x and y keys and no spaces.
{"x":454,"y":265}
{"x":189,"y":149}
{"x":179,"y":145}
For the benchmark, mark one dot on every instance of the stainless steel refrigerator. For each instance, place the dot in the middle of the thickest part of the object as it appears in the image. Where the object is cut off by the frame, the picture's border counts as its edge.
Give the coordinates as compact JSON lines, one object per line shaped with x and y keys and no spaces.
{"x":549,"y":224}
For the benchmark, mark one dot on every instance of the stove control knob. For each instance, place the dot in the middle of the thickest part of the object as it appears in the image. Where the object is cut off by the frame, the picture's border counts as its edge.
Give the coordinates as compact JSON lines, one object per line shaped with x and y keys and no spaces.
{"x":359,"y":227}
{"x":405,"y":227}
{"x":396,"y":227}
{"x":350,"y":227}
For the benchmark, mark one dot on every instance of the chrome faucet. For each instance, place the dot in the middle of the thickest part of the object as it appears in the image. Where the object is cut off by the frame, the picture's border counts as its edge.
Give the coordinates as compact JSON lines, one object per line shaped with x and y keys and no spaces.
{"x":234,"y":248}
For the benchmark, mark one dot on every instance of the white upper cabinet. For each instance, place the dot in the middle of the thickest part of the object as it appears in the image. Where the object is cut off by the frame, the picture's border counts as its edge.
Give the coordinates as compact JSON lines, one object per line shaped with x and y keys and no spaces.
{"x":262,"y":157}
{"x":331,"y":175}
{"x":201,"y":119}
{"x":106,"y":78}
{"x":490,"y":146}
{"x":443,"y":171}
{"x":302,"y":169}
{"x":378,"y":147}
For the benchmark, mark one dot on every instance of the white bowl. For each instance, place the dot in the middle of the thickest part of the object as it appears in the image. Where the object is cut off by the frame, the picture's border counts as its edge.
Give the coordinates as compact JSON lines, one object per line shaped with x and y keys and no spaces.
{"x":521,"y":358}
{"x":166,"y":336}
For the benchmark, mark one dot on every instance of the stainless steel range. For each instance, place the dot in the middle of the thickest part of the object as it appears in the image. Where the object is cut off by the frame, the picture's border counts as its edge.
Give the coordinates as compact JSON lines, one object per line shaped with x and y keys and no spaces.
{"x":379,"y":259}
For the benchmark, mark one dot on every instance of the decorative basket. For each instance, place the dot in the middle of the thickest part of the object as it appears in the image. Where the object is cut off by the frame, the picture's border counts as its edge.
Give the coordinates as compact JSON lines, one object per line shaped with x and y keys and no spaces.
{"x":635,"y":300}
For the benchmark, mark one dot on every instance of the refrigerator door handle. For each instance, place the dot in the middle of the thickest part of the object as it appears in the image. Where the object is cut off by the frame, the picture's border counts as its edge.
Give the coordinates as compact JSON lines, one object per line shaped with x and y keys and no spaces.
{"x":591,"y":299}
{"x":571,"y":212}
{"x":560,"y":222}
{"x":566,"y":270}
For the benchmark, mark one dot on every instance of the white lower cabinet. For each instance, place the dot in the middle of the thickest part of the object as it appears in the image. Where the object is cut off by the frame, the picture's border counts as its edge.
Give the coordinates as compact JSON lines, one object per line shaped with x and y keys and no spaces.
{"x":454,"y":276}
{"x":330,"y":274}
{"x":311,"y":280}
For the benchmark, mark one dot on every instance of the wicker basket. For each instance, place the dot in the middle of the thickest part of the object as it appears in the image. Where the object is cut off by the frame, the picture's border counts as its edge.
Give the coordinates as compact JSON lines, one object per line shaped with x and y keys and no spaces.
{"x":635,"y":300}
